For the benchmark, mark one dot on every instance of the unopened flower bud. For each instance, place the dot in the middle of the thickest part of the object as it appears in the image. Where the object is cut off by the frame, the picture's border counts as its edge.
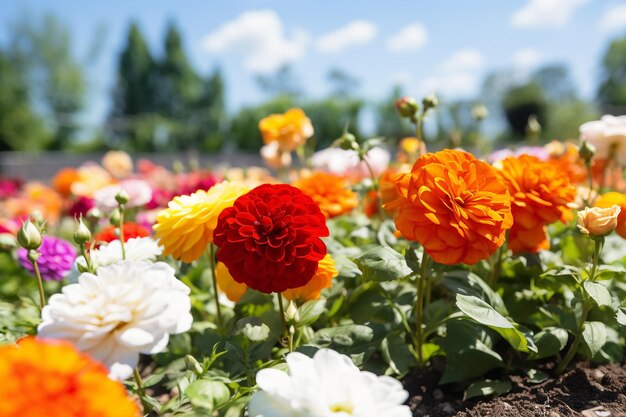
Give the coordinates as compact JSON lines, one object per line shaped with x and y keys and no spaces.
{"x":94,"y":215}
{"x":33,"y":255}
{"x":586,"y":151}
{"x":598,"y":222}
{"x":115,"y":218}
{"x":407,"y":106}
{"x":291,"y":313}
{"x":430,"y":102}
{"x":122,"y":197}
{"x":82,"y":234}
{"x":347,"y":142}
{"x":29,"y":237}
{"x":193,"y":364}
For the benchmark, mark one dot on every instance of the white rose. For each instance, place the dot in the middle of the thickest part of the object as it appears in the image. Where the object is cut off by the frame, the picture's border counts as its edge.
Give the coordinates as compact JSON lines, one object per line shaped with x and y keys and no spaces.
{"x":605,"y":134}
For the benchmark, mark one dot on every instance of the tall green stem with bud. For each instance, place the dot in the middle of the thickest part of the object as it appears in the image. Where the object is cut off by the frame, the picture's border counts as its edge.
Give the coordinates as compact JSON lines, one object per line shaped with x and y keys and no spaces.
{"x":29,"y":237}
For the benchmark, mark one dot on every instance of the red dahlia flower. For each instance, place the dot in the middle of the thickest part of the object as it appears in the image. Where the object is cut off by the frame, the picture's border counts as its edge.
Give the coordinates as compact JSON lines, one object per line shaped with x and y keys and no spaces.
{"x":131,"y":231}
{"x":270,"y":238}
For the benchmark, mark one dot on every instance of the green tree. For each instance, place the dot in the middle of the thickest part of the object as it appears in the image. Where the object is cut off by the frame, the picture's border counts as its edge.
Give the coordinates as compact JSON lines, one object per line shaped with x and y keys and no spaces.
{"x":21,"y":129}
{"x":522,"y":102}
{"x":41,"y":49}
{"x":612,"y":89}
{"x":210,"y":117}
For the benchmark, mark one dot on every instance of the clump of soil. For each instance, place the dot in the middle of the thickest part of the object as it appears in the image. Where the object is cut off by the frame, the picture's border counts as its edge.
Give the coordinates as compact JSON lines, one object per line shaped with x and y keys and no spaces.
{"x":574,"y":393}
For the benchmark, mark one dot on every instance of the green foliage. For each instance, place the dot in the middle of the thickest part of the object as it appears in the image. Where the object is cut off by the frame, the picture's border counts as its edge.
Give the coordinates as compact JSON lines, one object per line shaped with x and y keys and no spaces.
{"x":522,"y":102}
{"x":612,"y":89}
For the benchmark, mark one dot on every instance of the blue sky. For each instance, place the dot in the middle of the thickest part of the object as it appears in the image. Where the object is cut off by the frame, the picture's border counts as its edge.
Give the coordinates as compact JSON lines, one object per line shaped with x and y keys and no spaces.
{"x":440,"y":46}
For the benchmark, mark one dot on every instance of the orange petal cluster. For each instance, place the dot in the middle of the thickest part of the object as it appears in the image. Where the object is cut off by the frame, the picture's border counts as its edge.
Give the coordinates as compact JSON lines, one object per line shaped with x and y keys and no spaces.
{"x":290,"y":130}
{"x":330,"y":192}
{"x":227,"y":284}
{"x":312,"y":290}
{"x":53,"y":379}
{"x":566,"y":158}
{"x":541,"y":193}
{"x":455,"y":205}
{"x":615,"y":199}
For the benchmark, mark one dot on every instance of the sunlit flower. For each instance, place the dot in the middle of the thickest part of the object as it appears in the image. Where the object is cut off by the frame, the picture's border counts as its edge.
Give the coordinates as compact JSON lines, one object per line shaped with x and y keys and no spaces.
{"x":52,"y":379}
{"x":615,"y":199}
{"x":55,"y":261}
{"x":91,"y":177}
{"x":274,"y":157}
{"x":131,"y":231}
{"x":227,"y":284}
{"x":290,"y":130}
{"x":455,"y":205}
{"x":566,"y":158}
{"x":541,"y":195}
{"x":36,"y":198}
{"x":387,"y":185}
{"x":80,"y":207}
{"x":608,"y":136}
{"x":329,"y":385}
{"x":408,"y":150}
{"x":191,"y":182}
{"x":136,"y":249}
{"x":346,"y":163}
{"x":598,"y":222}
{"x":118,"y":163}
{"x":139,"y":194}
{"x":186,"y":226}
{"x":330,"y":192}
{"x":63,"y":180}
{"x":270,"y":238}
{"x":125,"y":309}
{"x":9,"y":187}
{"x":312,"y":290}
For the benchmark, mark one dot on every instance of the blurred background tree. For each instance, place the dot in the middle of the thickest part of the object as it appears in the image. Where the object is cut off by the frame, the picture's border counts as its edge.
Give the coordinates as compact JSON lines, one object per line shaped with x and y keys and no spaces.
{"x":612,"y":89}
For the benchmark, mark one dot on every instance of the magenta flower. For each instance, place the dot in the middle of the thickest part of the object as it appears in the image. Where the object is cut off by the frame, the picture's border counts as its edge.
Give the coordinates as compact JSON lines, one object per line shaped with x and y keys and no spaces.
{"x":56,"y":260}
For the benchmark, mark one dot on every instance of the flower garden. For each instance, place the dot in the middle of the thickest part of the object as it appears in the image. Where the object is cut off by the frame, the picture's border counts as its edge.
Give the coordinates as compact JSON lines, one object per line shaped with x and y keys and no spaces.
{"x":357,"y":280}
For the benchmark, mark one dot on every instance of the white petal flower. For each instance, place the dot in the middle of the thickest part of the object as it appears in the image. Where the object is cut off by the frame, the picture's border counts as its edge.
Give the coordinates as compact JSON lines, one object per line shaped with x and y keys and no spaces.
{"x":139,"y":193}
{"x":346,"y":162}
{"x":607,"y":135}
{"x":125,"y":309}
{"x":327,"y":385}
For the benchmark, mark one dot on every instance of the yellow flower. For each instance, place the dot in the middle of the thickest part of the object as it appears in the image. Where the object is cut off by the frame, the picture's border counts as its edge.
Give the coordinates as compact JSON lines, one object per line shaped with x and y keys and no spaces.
{"x":227,"y":284}
{"x":615,"y":199}
{"x":290,"y":130}
{"x":53,"y":379}
{"x":186,"y":226}
{"x":326,"y":271}
{"x":598,"y":222}
{"x":118,"y":163}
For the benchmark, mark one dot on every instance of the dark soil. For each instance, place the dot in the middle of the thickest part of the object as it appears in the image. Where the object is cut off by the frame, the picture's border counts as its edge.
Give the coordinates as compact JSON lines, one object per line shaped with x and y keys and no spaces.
{"x":581,"y":391}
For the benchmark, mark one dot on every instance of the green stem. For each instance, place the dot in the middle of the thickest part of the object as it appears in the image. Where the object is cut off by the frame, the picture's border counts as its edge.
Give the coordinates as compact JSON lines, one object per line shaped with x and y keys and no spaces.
{"x":218,"y":308}
{"x":578,"y":338}
{"x":122,"y":242}
{"x":287,"y":334}
{"x":419,"y":134}
{"x":419,"y":308}
{"x":496,"y":265}
{"x":597,"y":249}
{"x":140,"y":390}
{"x":379,"y":202}
{"x":42,"y":295}
{"x":590,"y":183}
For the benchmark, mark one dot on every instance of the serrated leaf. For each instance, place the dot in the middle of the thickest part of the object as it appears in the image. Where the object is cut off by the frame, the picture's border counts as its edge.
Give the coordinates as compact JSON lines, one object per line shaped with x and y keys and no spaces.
{"x":383,"y":264}
{"x":598,"y":293}
{"x":207,"y":394}
{"x":483,"y":313}
{"x":549,"y":341}
{"x":487,"y":387}
{"x":594,"y":335}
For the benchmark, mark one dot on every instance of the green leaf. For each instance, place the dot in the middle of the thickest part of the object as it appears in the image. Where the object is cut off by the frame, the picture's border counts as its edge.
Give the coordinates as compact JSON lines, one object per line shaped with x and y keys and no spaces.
{"x":598,"y":293}
{"x":483,"y":313}
{"x":207,"y":394}
{"x":549,"y":341}
{"x":594,"y":335}
{"x":397,"y":354}
{"x":536,"y":377}
{"x":621,"y":317}
{"x":487,"y":387}
{"x":468,"y":283}
{"x":310,"y":311}
{"x":383,"y":264}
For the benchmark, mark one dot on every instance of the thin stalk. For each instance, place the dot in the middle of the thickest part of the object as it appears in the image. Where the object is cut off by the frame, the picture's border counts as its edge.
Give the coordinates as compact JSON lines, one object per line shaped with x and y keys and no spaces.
{"x":286,"y":332}
{"x":419,"y":134}
{"x":122,"y":242}
{"x":140,"y":389}
{"x":218,"y":308}
{"x":381,"y":214}
{"x":419,"y":308}
{"x":496,"y":265}
{"x":42,"y":295}
{"x":590,"y":183}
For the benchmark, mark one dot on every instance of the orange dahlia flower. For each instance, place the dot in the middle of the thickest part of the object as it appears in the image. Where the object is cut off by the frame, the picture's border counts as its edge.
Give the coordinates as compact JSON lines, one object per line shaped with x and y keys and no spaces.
{"x":63,"y":180}
{"x":387,"y":185}
{"x":227,"y":284}
{"x":53,"y":379}
{"x":330,"y":192}
{"x":541,"y":193}
{"x":615,"y":199}
{"x":290,"y":130}
{"x":566,"y":158}
{"x":455,"y":205}
{"x":323,"y":278}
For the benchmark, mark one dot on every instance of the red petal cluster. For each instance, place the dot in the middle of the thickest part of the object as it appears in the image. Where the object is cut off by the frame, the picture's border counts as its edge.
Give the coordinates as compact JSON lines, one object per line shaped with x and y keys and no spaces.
{"x":270,"y":238}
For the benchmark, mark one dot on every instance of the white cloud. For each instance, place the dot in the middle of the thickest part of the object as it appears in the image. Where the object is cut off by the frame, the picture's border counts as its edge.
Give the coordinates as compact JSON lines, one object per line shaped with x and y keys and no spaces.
{"x":468,"y":59}
{"x":526,"y":58}
{"x":413,"y":36}
{"x":357,"y":32}
{"x":613,"y":19}
{"x":259,"y":37}
{"x":458,"y":75}
{"x":545,"y":14}
{"x":401,"y":77}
